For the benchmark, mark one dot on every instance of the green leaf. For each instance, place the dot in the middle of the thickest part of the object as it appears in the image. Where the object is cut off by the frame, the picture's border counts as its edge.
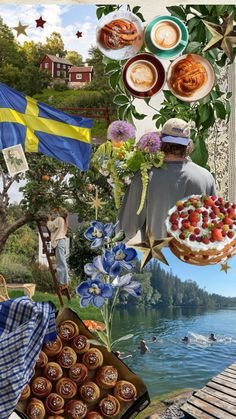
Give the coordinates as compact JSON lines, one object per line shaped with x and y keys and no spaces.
{"x":138,"y":116}
{"x":114,"y":80}
{"x":140,"y":17}
{"x":136,"y":9}
{"x":112,"y":66}
{"x":121,"y":100}
{"x":126,"y":337}
{"x":229,"y":95}
{"x":222,"y":61}
{"x":200,"y":153}
{"x":122,"y":111}
{"x":192,"y":23}
{"x":96,"y":342}
{"x":102,"y":336}
{"x":204,"y":112}
{"x":177,"y":11}
{"x":99,"y":12}
{"x":209,"y":122}
{"x":193,"y":47}
{"x":220,"y":109}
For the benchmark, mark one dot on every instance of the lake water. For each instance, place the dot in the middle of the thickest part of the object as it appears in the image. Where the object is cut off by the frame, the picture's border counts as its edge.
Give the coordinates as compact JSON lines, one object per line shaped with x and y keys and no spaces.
{"x":170,"y":364}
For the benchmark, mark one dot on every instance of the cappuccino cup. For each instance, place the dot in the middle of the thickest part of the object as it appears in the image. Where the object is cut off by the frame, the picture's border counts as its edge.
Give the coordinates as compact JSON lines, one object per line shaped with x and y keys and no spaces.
{"x":141,"y":76}
{"x":165,"y":35}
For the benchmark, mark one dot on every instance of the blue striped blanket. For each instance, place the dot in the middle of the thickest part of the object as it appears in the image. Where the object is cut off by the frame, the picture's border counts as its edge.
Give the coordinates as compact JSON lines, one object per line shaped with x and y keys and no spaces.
{"x":24,"y":327}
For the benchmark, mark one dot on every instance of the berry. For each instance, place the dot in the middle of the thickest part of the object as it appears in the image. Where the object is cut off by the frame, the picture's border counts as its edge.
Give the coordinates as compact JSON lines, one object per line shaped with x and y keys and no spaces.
{"x":199,"y":239}
{"x":209,"y":202}
{"x":213,"y":197}
{"x":225,"y":227}
{"x":224,"y":233}
{"x":192,"y":237}
{"x":183,"y":214}
{"x":193,"y":217}
{"x":197,"y":231}
{"x":191,"y":229}
{"x":204,"y":225}
{"x":216,"y":210}
{"x":212,"y":215}
{"x":189,"y":211}
{"x":180,"y":207}
{"x":194,"y":224}
{"x":205,"y":213}
{"x":216,"y":234}
{"x":182,"y":236}
{"x":206,"y":206}
{"x":220,"y":224}
{"x":220,"y":200}
{"x":231,"y":226}
{"x":234,"y":206}
{"x":227,"y":204}
{"x":227,"y":220}
{"x":205,"y":240}
{"x":212,"y":240}
{"x":186,"y":224}
{"x":199,"y":211}
{"x":230,"y":234}
{"x":205,"y":256}
{"x":179,"y":203}
{"x":174,"y":227}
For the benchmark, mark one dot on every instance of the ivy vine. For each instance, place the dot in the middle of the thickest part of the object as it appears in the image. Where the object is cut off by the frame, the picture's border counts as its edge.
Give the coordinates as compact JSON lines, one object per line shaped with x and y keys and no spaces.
{"x":204,"y":113}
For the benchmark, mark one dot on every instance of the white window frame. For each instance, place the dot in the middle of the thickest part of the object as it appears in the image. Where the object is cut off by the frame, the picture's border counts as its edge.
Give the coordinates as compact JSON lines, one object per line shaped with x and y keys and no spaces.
{"x":58,"y":73}
{"x":64,"y":66}
{"x":79,"y":76}
{"x":58,"y":65}
{"x":46,"y":65}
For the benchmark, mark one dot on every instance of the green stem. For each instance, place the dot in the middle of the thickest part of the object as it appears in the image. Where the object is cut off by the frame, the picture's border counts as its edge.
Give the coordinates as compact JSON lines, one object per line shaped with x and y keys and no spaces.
{"x":113,"y":306}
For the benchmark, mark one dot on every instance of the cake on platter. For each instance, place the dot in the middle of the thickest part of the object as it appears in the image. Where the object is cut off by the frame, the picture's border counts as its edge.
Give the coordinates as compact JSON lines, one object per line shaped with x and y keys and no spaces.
{"x":203,"y":229}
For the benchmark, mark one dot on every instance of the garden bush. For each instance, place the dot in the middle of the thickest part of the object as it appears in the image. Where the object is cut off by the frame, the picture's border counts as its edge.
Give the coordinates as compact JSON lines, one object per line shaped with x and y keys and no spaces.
{"x":41,"y":276}
{"x":14,"y":268}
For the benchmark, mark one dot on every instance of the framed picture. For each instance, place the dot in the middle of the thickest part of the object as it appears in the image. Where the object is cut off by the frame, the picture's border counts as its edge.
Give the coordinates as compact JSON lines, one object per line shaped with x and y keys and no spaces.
{"x":15,"y":159}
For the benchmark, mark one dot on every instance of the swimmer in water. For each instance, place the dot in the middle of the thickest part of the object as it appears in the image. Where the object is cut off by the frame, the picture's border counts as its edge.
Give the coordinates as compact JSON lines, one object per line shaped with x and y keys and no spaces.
{"x":185,"y":339}
{"x":143,"y":347}
{"x":120,"y":356}
{"x":212,"y":337}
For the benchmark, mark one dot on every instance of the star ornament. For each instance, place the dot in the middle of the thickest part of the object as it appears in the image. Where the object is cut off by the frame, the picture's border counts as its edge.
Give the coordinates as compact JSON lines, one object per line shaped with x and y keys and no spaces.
{"x":152,"y":249}
{"x":79,"y":34}
{"x":225,"y":267}
{"x":96,"y":203}
{"x":223,"y":36}
{"x":40,"y":22}
{"x":20,"y":29}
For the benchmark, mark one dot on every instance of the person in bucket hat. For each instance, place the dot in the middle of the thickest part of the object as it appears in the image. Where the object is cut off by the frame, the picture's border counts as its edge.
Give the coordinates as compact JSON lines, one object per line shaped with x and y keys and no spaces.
{"x":178,"y":179}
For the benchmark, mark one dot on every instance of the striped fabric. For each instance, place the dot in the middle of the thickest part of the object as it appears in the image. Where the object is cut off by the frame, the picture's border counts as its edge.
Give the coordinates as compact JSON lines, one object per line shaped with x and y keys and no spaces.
{"x":41,"y":128}
{"x":24,"y":326}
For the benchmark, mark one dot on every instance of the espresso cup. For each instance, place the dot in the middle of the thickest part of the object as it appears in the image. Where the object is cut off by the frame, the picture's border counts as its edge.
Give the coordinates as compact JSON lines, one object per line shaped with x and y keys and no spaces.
{"x":165,"y":35}
{"x":141,"y":76}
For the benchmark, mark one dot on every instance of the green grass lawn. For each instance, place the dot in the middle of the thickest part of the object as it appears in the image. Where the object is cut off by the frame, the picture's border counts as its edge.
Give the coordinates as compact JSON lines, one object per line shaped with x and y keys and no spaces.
{"x":83,"y":313}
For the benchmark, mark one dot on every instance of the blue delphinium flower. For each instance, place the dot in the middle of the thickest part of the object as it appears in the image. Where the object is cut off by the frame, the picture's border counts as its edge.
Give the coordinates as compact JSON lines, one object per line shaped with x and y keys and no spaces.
{"x":94,"y":291}
{"x":126,"y":284}
{"x":120,"y":257}
{"x":98,"y":232}
{"x":99,"y":267}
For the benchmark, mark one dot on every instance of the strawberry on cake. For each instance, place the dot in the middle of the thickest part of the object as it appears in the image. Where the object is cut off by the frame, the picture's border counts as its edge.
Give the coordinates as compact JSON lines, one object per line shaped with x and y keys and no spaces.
{"x":203,"y":229}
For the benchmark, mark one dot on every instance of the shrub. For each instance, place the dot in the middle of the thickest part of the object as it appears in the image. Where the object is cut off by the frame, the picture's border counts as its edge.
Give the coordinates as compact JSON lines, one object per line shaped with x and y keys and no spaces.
{"x":14,"y":269}
{"x":42,"y":277}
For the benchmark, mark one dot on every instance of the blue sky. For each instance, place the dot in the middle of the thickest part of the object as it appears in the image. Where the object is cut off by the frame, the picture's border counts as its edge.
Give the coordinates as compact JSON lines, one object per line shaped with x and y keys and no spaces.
{"x":66,"y":19}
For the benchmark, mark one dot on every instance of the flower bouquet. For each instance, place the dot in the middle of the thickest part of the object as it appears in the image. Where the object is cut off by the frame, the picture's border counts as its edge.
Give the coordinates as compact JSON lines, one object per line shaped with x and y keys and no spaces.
{"x":120,"y":158}
{"x":107,"y":277}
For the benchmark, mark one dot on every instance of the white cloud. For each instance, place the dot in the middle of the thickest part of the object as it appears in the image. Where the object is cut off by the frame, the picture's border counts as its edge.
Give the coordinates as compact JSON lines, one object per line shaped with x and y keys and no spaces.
{"x":53,"y":14}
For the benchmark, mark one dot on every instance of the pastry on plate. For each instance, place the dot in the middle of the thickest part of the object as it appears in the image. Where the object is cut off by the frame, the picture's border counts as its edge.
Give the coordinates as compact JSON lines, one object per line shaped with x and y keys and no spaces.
{"x":80,"y":344}
{"x":125,"y":391}
{"x":109,"y":406}
{"x":76,"y":409}
{"x":42,"y":360}
{"x":53,"y":348}
{"x":67,"y":330}
{"x":54,"y":404}
{"x":89,"y":392}
{"x":118,"y":33}
{"x":93,"y":358}
{"x":52,"y":371}
{"x":78,"y":373}
{"x":35,"y":409}
{"x":107,"y":376}
{"x":67,"y":357}
{"x":41,"y":387}
{"x":66,"y":388}
{"x":25,"y":393}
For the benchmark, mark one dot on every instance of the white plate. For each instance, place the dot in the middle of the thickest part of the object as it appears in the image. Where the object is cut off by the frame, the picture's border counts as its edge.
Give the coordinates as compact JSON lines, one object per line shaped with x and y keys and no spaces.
{"x":129,"y":50}
{"x":205,"y":89}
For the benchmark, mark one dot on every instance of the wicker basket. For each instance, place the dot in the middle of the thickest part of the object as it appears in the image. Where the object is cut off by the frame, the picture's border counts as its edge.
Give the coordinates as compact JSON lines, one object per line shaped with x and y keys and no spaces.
{"x":202,"y":257}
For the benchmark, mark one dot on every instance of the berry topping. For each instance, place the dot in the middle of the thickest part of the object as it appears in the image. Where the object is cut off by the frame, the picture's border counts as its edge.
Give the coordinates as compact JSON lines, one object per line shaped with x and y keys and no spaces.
{"x":194,"y":217}
{"x":227,"y":220}
{"x":174,"y":227}
{"x":192,"y":237}
{"x":180,"y":207}
{"x":205,"y":240}
{"x":230,"y":234}
{"x":216,"y":234}
{"x":197,"y":230}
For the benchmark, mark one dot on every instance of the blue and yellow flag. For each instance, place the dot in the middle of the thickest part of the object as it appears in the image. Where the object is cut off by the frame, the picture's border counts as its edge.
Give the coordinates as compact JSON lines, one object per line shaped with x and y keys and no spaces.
{"x":41,"y":128}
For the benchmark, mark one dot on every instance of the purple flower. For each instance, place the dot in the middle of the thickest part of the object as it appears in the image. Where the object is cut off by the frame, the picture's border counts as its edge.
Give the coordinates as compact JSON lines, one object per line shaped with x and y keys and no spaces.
{"x":120,"y":257}
{"x":98,"y":232}
{"x":120,"y":131}
{"x":94,"y":291}
{"x":125,"y":282}
{"x":150,"y":142}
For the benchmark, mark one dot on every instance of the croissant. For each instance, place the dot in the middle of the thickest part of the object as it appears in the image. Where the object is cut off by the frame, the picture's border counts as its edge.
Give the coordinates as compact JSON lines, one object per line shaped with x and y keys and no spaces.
{"x":52,"y":371}
{"x":89,"y":392}
{"x":35,"y":409}
{"x":67,"y":357}
{"x":93,"y":358}
{"x":53,"y":348}
{"x":42,"y":360}
{"x":187,"y":76}
{"x":93,"y":415}
{"x":125,"y":391}
{"x":76,"y":409}
{"x":67,"y":330}
{"x":80,"y":344}
{"x":107,"y":376}
{"x":118,"y":33}
{"x":54,"y":403}
{"x":41,"y":387}
{"x":78,"y":373}
{"x":25,"y":393}
{"x":109,"y":406}
{"x":66,"y":388}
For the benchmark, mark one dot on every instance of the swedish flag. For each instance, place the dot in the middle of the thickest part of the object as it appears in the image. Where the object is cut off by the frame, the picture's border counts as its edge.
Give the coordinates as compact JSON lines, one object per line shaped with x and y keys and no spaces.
{"x":41,"y":128}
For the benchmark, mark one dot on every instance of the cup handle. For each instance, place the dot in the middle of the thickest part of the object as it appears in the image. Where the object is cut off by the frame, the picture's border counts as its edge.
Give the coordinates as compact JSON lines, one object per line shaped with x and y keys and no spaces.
{"x":182,"y":42}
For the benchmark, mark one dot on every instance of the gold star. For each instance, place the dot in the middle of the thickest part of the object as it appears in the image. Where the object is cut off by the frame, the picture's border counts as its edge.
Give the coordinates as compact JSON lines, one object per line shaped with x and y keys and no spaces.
{"x":225,"y":267}
{"x":96,"y":203}
{"x":223,"y":36}
{"x":20,"y":29}
{"x":151,"y":248}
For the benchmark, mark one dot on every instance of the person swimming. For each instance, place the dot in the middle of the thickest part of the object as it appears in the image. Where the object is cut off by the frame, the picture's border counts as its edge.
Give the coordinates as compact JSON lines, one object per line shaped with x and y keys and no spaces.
{"x":143,"y":347}
{"x":185,"y":339}
{"x":212,"y":337}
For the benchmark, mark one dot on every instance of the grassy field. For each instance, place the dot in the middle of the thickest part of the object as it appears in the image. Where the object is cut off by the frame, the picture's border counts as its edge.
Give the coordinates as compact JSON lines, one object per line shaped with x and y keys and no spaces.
{"x":85,"y":313}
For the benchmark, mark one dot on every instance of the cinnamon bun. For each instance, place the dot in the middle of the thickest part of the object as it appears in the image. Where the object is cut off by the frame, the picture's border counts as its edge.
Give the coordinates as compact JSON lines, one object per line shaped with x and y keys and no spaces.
{"x":78,"y":373}
{"x":67,"y":357}
{"x":80,"y":344}
{"x":89,"y":392}
{"x":52,"y":371}
{"x":125,"y":391}
{"x":53,"y":348}
{"x":107,"y":376}
{"x":25,"y":393}
{"x":35,"y":409}
{"x":93,"y":358}
{"x":67,"y":330}
{"x":76,"y":409}
{"x":42,"y":360}
{"x":109,"y":406}
{"x":41,"y":387}
{"x":66,"y":388}
{"x":93,"y":415}
{"x":118,"y":33}
{"x":54,"y":404}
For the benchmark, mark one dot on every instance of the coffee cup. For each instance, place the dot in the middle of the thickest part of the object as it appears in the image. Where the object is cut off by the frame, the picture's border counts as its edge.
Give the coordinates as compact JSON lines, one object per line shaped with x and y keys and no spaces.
{"x":165,"y":35}
{"x":141,"y":76}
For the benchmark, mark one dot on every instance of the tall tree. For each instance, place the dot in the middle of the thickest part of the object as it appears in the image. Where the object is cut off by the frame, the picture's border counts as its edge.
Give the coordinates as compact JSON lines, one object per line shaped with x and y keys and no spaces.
{"x":55,"y":45}
{"x":74,"y":57}
{"x":99,"y":81}
{"x":8,"y":46}
{"x":34,"y":51}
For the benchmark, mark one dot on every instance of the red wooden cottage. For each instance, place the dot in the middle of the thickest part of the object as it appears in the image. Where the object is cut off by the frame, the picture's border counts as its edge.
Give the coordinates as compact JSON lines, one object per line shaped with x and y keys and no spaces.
{"x":58,"y":66}
{"x":80,"y":76}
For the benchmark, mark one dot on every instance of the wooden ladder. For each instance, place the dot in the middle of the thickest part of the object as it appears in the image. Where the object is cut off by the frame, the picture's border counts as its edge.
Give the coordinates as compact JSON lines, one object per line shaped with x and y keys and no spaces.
{"x":50,"y":254}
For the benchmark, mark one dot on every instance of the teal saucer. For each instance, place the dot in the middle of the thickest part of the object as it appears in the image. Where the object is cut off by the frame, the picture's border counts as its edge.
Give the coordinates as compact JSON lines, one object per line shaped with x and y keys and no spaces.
{"x":170,"y":53}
